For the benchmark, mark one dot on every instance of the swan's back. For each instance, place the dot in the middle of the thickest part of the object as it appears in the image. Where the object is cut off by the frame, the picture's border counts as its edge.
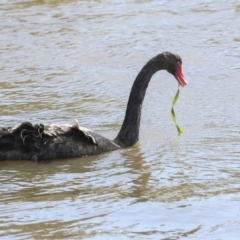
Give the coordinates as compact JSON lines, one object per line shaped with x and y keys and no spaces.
{"x":43,"y":142}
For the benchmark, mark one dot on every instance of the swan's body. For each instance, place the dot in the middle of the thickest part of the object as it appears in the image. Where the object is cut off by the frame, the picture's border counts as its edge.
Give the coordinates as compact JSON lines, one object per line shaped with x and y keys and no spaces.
{"x":42,"y":142}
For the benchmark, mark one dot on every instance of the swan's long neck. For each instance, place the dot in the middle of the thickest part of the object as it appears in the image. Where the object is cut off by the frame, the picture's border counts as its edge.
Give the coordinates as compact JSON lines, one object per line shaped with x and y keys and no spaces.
{"x":129,"y":133}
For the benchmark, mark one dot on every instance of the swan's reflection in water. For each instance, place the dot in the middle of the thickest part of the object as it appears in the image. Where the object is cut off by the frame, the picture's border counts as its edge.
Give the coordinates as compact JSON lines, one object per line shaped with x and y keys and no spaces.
{"x":141,"y":171}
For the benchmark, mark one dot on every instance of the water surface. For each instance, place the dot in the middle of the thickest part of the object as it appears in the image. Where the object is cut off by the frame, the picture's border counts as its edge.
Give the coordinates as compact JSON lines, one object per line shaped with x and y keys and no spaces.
{"x":65,"y":59}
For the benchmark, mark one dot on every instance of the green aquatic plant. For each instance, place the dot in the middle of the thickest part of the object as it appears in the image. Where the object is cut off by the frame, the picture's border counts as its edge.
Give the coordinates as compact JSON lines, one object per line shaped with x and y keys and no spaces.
{"x":172,"y":110}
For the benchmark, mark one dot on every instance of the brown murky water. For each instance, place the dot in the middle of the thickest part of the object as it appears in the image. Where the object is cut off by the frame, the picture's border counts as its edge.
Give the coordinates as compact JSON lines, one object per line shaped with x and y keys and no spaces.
{"x":65,"y":59}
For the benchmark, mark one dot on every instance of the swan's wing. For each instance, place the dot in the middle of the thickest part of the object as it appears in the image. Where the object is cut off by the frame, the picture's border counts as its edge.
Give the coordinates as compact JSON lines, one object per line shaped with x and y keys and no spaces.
{"x":51,"y":141}
{"x":22,"y":136}
{"x":68,"y":141}
{"x":26,"y":137}
{"x":74,"y":129}
{"x":5,"y":136}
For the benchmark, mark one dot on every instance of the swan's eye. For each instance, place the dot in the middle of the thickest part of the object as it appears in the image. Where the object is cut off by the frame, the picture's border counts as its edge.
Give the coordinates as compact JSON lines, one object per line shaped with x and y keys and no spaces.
{"x":179,"y":63}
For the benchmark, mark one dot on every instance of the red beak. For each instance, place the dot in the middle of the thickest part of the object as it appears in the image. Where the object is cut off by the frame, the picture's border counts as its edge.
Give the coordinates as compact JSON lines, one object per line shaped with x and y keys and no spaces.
{"x":179,"y":76}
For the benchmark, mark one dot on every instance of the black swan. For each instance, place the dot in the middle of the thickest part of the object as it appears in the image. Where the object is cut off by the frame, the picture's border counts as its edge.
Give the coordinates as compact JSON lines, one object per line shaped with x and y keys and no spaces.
{"x":44,"y":142}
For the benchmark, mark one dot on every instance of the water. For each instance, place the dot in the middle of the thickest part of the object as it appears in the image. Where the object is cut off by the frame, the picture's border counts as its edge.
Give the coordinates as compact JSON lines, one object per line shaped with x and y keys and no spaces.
{"x":65,"y":59}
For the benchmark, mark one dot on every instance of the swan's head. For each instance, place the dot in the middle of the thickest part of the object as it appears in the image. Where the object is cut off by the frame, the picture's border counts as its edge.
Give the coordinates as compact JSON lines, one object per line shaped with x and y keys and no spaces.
{"x":174,"y":66}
